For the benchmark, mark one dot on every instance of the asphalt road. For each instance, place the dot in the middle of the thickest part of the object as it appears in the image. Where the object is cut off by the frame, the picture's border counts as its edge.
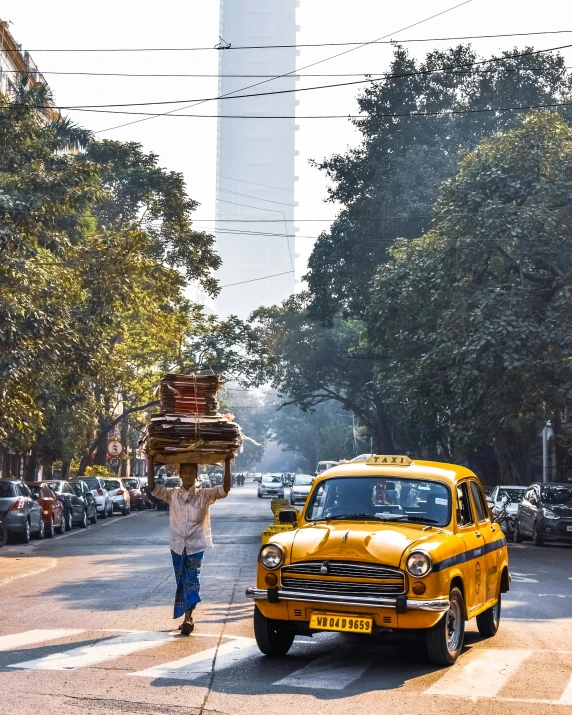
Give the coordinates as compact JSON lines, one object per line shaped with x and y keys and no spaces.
{"x":86,"y":626}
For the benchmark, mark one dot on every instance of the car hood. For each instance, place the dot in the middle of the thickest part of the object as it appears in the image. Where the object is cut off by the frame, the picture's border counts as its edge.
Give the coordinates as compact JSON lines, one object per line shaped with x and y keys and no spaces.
{"x":384,"y":543}
{"x":563,"y":510}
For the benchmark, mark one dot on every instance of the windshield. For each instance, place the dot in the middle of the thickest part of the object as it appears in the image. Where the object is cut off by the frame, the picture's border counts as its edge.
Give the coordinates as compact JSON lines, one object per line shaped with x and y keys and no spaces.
{"x":556,"y":495}
{"x":112,"y":484}
{"x":131,"y":483}
{"x":303,"y":480}
{"x":55,"y":486}
{"x":273,"y":479}
{"x":381,"y":499}
{"x":36,"y":491}
{"x":513,"y":495}
{"x":173,"y":482}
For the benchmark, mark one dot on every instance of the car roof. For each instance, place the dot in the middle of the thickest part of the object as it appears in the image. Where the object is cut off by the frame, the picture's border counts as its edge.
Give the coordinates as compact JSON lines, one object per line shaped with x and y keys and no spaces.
{"x":418,"y":469}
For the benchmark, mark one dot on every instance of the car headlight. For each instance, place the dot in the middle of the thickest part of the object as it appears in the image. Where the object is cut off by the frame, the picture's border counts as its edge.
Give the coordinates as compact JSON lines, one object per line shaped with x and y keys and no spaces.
{"x":547,"y":514}
{"x":271,"y":556}
{"x":419,"y":564}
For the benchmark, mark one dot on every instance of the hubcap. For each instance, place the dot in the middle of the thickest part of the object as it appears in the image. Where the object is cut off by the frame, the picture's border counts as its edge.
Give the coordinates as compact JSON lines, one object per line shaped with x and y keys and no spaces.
{"x":453,"y":627}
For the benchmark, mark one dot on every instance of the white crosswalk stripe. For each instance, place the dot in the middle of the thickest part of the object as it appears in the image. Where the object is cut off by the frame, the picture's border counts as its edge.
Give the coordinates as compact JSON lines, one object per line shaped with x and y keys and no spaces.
{"x":99,"y":652}
{"x":566,"y":697}
{"x":482,"y":673}
{"x":196,"y":665}
{"x":329,"y":672}
{"x":38,"y":635}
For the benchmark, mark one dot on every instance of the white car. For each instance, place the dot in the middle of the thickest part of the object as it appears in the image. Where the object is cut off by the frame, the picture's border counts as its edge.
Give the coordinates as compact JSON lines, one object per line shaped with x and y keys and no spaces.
{"x":498,"y":496}
{"x":301,"y":488}
{"x":119,"y":494}
{"x":271,"y":485}
{"x":103,"y":501}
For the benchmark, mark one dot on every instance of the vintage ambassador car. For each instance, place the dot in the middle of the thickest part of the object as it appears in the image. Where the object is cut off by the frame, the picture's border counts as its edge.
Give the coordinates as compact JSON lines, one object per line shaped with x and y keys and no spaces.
{"x":385,"y":543}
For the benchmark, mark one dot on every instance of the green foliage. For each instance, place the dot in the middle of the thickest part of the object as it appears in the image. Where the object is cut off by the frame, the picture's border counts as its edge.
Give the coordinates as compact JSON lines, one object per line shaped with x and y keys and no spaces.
{"x":99,"y":471}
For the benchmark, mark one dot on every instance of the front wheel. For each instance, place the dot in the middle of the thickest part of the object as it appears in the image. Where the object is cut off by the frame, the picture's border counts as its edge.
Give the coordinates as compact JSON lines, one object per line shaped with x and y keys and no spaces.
{"x":69,"y":520}
{"x":40,"y":533}
{"x":274,"y":638}
{"x":51,"y":528}
{"x":488,"y":621}
{"x":25,"y":538}
{"x":83,"y":522}
{"x":62,"y":527}
{"x":517,"y":536}
{"x":445,"y":639}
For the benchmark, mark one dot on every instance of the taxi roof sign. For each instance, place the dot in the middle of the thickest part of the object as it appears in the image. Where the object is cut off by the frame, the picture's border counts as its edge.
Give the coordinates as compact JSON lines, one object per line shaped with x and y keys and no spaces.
{"x":391,"y":460}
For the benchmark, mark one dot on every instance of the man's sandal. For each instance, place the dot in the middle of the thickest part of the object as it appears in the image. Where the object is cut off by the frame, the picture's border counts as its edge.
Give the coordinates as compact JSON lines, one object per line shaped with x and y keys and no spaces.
{"x":187,"y":628}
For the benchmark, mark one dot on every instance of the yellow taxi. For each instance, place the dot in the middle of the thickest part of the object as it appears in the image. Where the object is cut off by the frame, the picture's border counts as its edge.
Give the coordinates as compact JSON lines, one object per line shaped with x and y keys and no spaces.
{"x":384,"y":544}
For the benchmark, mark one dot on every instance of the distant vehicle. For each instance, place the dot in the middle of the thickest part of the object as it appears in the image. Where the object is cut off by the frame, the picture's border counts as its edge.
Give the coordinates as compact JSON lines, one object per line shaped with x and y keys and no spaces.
{"x":271,"y":486}
{"x":324,"y":465}
{"x":545,"y":514}
{"x":137,"y":495}
{"x":119,"y":494}
{"x":173,"y":482}
{"x":75,"y":506}
{"x":20,"y":514}
{"x":52,"y":508}
{"x":84,"y":492}
{"x":103,"y":502}
{"x":504,"y":493}
{"x":301,"y":488}
{"x":257,"y":476}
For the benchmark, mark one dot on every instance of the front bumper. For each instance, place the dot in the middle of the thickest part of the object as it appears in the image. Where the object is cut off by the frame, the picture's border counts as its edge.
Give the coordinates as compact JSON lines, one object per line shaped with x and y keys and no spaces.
{"x":400,"y":603}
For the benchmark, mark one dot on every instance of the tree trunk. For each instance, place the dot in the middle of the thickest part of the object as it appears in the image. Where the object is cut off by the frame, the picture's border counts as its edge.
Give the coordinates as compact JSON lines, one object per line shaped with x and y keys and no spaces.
{"x":101,"y":450}
{"x":31,"y":466}
{"x":48,"y":470}
{"x":65,"y":468}
{"x":382,"y":440}
{"x":559,"y":447}
{"x":509,"y":472}
{"x":124,"y":443}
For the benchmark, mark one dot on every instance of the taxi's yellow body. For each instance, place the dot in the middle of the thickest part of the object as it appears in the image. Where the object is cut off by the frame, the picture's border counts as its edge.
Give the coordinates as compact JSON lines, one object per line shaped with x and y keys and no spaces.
{"x":469,"y":557}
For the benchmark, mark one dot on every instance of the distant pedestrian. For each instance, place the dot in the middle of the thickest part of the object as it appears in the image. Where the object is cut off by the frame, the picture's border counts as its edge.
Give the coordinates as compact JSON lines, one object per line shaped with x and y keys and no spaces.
{"x":189,"y":520}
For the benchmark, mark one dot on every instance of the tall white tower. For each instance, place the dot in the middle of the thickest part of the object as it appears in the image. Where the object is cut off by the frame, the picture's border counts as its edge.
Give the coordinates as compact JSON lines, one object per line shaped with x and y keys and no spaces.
{"x":255,"y":157}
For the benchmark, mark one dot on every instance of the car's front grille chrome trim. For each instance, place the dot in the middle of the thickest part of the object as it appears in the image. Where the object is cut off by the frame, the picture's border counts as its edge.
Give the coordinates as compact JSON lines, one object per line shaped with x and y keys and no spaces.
{"x":347,"y":569}
{"x":350,"y":588}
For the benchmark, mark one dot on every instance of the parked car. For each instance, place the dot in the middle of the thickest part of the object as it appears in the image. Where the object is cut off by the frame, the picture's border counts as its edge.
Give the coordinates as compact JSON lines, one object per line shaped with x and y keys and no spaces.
{"x":75,"y":506}
{"x":103,"y":502}
{"x":545,"y":514}
{"x":20,"y":514}
{"x":137,"y":496}
{"x":119,"y":494}
{"x":83,"y":491}
{"x":271,"y":485}
{"x":501,"y":494}
{"x":52,"y":508}
{"x":301,"y":488}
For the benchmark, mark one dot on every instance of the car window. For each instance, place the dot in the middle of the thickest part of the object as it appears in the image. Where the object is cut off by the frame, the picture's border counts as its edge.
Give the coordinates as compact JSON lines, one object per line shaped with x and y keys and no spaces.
{"x":112,"y":484}
{"x":92,"y":483}
{"x":37,"y":492}
{"x":131,"y":483}
{"x":24,"y":491}
{"x":464,"y":511}
{"x":303,"y":480}
{"x":273,"y":479}
{"x":482,"y":514}
{"x":557,"y":494}
{"x":77,"y":488}
{"x":6,"y":490}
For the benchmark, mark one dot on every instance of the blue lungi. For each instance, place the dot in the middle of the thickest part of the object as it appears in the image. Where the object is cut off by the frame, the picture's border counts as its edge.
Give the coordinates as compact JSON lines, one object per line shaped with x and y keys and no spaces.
{"x":188,"y":575}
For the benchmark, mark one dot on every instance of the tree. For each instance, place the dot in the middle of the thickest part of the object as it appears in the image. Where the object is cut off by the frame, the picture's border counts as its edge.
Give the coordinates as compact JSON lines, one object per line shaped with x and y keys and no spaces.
{"x":476,"y":314}
{"x":388,"y":185}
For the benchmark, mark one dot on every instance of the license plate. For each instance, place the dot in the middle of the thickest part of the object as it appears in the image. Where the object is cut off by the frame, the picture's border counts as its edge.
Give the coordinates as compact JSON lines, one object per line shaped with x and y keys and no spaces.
{"x":335,"y":622}
{"x":569,"y":527}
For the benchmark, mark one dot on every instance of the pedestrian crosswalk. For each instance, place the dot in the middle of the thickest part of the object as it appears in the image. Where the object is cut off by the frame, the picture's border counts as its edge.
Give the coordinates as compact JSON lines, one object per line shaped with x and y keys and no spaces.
{"x":323,"y":664}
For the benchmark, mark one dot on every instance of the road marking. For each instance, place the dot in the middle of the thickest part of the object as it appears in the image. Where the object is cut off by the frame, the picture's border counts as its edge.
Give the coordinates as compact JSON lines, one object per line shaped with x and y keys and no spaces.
{"x":196,"y":665}
{"x":329,"y":672}
{"x":106,"y":649}
{"x":16,"y":640}
{"x":481,"y":676}
{"x":34,"y":572}
{"x":566,"y":697}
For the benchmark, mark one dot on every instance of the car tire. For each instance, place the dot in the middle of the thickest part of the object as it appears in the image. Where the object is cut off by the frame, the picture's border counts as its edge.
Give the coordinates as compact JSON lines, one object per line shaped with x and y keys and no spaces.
{"x":41,"y":531}
{"x":273,"y":638}
{"x":69,"y":520}
{"x":103,"y":514}
{"x":445,"y":639}
{"x":110,"y":510}
{"x":51,"y":528}
{"x":124,"y":511}
{"x":62,"y":527}
{"x":517,"y":536}
{"x":83,"y":522}
{"x":93,"y":519}
{"x":488,"y":621}
{"x":25,"y":537}
{"x":536,"y":538}
{"x":260,"y":496}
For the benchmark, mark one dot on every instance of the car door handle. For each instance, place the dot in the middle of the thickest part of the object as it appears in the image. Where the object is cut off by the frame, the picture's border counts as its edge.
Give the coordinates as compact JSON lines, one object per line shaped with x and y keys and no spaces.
{"x":493,"y":528}
{"x":478,"y":534}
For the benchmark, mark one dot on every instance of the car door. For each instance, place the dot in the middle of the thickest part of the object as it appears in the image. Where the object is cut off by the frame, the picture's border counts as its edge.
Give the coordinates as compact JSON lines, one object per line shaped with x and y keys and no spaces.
{"x":493,"y":540}
{"x":535,"y":506}
{"x":474,"y":569}
{"x":32,"y":508}
{"x":75,"y":502}
{"x":57,"y":506}
{"x":526,"y":511}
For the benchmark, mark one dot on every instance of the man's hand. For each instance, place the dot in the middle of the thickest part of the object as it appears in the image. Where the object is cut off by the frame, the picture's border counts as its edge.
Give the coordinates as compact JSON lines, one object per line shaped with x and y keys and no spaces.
{"x":227,"y":478}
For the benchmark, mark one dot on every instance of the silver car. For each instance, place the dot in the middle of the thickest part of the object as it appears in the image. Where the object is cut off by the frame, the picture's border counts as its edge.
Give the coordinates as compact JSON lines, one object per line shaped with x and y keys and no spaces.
{"x":514,"y":495}
{"x":119,"y":494}
{"x":271,"y":485}
{"x":301,"y":488}
{"x":103,"y":502}
{"x":19,"y":511}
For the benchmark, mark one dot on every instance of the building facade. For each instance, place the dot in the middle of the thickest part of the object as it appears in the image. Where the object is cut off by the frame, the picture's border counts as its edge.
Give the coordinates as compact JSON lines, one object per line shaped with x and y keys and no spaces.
{"x":256,"y":157}
{"x":15,"y":63}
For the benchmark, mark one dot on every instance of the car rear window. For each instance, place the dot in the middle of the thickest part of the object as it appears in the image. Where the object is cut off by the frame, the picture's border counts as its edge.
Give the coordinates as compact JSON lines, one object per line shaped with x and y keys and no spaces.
{"x":131,"y":483}
{"x":112,"y":484}
{"x":92,"y":483}
{"x":6,"y":490}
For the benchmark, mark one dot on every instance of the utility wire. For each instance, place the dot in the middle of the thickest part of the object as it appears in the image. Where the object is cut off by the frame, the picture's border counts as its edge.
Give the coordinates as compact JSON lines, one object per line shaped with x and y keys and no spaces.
{"x":253,"y":280}
{"x":313,"y":64}
{"x":400,"y":75}
{"x":381,"y":41}
{"x":242,"y":181}
{"x":256,"y":198}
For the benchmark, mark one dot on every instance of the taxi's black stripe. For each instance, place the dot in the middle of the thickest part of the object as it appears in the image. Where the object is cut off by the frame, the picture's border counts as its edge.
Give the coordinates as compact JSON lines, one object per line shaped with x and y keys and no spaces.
{"x":469,"y":555}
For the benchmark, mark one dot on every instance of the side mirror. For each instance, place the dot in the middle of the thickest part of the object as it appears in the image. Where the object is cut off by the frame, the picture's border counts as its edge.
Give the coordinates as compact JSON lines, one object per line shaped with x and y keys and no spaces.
{"x":287,"y":516}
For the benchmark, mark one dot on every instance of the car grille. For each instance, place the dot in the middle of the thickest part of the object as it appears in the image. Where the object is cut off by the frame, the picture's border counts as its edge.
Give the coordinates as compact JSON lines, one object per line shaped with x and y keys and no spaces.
{"x":563,"y":528}
{"x":389,"y":581}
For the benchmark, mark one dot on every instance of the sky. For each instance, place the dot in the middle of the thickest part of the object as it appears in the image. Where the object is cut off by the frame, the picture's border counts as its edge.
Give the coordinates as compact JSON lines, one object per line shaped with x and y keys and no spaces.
{"x":188,"y":144}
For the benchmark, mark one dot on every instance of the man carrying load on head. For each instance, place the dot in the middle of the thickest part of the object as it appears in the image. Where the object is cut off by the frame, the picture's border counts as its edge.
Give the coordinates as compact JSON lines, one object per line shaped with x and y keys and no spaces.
{"x":189,"y":521}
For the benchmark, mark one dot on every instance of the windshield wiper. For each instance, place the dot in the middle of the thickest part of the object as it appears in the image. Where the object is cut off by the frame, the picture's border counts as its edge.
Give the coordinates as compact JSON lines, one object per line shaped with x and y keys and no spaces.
{"x":373,"y":517}
{"x":421,"y":519}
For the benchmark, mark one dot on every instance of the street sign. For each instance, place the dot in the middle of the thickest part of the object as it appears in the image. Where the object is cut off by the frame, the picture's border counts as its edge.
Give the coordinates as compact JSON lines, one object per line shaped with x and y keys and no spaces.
{"x":114,"y":462}
{"x":115,"y":448}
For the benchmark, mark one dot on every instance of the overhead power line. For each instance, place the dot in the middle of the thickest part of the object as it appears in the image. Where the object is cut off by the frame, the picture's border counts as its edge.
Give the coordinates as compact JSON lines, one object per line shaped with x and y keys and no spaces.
{"x":243,"y":181}
{"x":253,"y":280}
{"x":298,"y":45}
{"x":399,"y":75}
{"x":312,"y":64}
{"x":256,"y":198}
